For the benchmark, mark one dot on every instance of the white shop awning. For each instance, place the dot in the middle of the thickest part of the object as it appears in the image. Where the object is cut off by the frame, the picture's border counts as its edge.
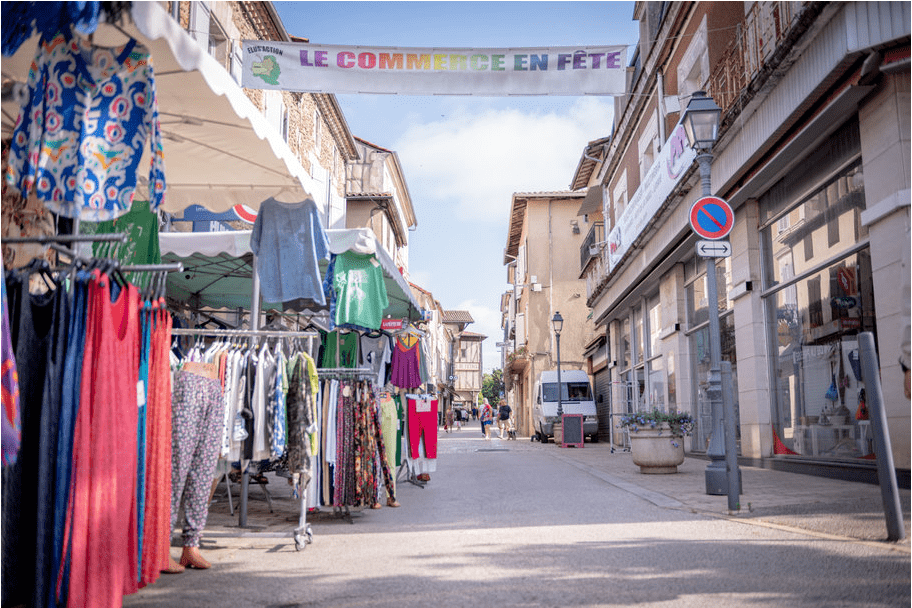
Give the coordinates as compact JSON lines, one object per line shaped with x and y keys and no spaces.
{"x":219,"y":149}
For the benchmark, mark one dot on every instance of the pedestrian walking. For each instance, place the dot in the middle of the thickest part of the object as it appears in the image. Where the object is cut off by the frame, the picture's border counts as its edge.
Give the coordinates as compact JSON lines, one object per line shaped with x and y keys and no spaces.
{"x":487,"y":418}
{"x":474,"y":412}
{"x":503,"y":418}
{"x":448,"y":423}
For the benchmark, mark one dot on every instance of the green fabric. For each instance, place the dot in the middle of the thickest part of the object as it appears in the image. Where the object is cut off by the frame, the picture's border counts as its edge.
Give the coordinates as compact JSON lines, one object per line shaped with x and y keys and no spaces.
{"x":141,"y":227}
{"x":345,"y":344}
{"x":360,"y":289}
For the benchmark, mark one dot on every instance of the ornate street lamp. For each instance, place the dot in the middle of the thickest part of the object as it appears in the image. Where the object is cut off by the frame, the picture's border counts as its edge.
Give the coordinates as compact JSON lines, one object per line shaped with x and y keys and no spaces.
{"x":557,"y":322}
{"x":701,"y":123}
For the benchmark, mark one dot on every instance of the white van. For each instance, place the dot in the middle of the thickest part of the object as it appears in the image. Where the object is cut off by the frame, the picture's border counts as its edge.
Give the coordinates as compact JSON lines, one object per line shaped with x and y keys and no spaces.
{"x":576,"y":398}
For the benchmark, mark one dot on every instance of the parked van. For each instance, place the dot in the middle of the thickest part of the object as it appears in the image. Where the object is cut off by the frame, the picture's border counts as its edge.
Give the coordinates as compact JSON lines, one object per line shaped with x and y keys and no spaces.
{"x":576,"y":398}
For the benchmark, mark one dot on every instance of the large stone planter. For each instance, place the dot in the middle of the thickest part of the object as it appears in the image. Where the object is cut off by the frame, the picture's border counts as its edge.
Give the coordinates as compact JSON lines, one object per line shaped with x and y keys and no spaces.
{"x":656,"y":451}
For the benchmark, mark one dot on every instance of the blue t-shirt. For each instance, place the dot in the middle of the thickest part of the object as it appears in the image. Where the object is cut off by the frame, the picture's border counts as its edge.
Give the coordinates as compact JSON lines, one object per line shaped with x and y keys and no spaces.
{"x":289,"y":242}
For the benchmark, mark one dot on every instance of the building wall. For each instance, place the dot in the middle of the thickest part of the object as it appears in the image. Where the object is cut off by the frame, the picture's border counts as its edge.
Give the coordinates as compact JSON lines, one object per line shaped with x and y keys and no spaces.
{"x":309,"y":134}
{"x":884,"y":122}
{"x":813,"y":92}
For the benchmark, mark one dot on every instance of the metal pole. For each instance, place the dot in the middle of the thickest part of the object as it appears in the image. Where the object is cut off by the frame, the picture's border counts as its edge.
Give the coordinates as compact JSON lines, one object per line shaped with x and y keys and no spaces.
{"x":254,"y":325}
{"x":731,"y":446}
{"x":715,"y":471}
{"x":560,"y":404}
{"x":870,"y":373}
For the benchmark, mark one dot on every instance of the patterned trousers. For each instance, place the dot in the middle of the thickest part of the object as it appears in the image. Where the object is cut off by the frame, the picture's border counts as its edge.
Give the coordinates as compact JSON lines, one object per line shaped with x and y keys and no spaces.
{"x":196,"y":427}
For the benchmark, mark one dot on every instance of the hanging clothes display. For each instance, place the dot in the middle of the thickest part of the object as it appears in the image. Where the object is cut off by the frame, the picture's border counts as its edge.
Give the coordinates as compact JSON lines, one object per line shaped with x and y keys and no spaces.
{"x":39,"y":323}
{"x":12,"y":427}
{"x":79,"y":168}
{"x":422,"y":425}
{"x":376,"y":354}
{"x":360,"y":291}
{"x":406,"y":370}
{"x":104,"y":453}
{"x":340,"y":349}
{"x":156,"y":533}
{"x":289,"y":242}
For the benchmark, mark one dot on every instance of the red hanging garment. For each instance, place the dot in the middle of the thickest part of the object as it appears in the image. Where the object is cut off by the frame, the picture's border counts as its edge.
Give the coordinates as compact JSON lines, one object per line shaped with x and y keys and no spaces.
{"x":102,"y":523}
{"x":157,"y":521}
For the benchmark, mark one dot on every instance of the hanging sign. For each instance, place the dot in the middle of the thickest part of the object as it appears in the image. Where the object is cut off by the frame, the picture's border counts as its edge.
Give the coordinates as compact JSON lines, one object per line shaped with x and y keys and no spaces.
{"x":310,"y":68}
{"x":712,"y":218}
{"x":662,"y":178}
{"x":392,"y":324}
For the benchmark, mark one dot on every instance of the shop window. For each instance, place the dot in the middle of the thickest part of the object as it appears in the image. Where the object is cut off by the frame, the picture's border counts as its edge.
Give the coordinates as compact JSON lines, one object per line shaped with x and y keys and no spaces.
{"x":638,"y":335}
{"x":701,"y":363}
{"x":625,"y":343}
{"x":655,"y":325}
{"x":697,"y":297}
{"x":647,"y":147}
{"x":817,"y":380}
{"x":814,"y":311}
{"x":816,"y":226}
{"x":619,"y":196}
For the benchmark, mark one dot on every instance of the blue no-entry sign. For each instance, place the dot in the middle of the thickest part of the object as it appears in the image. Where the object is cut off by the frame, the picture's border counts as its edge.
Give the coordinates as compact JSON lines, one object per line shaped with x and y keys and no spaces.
{"x":712,"y":218}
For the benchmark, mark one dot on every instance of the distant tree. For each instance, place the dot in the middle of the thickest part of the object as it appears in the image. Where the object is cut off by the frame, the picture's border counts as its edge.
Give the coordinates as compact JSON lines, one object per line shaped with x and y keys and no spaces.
{"x":492,"y":387}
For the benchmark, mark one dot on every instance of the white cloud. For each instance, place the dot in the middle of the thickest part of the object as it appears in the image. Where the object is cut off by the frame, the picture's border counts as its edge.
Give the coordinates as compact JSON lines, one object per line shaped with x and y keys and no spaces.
{"x":475,"y":160}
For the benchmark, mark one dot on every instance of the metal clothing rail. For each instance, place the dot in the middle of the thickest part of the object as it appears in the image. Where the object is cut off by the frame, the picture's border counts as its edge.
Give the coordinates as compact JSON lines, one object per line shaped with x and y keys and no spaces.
{"x":346,"y":371}
{"x":250,"y":333}
{"x":68,"y":238}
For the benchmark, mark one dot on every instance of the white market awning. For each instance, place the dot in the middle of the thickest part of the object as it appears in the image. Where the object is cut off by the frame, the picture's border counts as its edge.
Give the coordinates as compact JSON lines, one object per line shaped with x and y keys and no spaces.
{"x":219,"y":149}
{"x":218,"y":274}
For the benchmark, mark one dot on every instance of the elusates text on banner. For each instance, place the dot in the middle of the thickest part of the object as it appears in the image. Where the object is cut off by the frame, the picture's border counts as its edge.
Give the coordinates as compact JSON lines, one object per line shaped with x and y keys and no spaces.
{"x":311,"y":68}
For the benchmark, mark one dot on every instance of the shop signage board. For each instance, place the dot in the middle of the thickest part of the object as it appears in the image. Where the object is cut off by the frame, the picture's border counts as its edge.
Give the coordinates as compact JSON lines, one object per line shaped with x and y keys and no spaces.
{"x":714,"y":249}
{"x":321,"y":68}
{"x":392,"y":324}
{"x":661,"y":179}
{"x":572,"y":426}
{"x":712,"y":218}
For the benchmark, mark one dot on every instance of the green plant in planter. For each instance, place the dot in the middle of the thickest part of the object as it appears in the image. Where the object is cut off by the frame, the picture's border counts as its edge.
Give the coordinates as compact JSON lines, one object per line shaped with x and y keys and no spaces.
{"x":681,"y":423}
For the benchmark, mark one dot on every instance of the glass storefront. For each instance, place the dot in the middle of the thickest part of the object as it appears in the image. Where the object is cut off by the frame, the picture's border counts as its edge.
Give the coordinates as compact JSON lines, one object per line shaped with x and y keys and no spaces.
{"x":698,"y":338}
{"x":818,"y":295}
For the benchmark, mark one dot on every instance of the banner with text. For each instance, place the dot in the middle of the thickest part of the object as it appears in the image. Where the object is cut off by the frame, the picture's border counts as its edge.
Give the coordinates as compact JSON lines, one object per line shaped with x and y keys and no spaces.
{"x":660,"y":180}
{"x":293,"y":66}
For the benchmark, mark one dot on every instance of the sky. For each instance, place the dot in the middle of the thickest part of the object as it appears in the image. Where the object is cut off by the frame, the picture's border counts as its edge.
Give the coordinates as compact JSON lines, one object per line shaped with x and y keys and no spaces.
{"x":464,"y":157}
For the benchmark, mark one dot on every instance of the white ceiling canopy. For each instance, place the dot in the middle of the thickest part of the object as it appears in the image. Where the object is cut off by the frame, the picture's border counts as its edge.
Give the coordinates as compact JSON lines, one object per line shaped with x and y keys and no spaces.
{"x":219,"y":149}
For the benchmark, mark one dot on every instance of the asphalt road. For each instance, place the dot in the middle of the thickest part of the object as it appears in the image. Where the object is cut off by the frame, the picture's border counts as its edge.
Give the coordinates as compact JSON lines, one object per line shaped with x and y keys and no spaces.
{"x":512,"y":523}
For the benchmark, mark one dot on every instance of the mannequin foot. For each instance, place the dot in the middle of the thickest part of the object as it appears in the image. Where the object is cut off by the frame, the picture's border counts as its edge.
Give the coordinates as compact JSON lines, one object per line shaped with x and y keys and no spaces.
{"x":391,"y":502}
{"x":173,"y":567}
{"x":376,"y":505}
{"x":193,"y":558}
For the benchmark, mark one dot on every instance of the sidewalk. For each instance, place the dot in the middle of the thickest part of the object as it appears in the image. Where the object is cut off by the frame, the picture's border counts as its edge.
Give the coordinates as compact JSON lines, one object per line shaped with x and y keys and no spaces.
{"x":813,"y":504}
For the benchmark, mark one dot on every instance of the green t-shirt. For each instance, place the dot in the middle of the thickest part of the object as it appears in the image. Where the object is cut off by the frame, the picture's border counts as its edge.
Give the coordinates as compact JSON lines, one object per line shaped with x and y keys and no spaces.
{"x":361,"y":294}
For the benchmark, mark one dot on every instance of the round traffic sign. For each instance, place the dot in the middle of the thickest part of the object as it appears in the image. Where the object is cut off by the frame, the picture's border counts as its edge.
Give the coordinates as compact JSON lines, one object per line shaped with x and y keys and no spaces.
{"x":712,"y":218}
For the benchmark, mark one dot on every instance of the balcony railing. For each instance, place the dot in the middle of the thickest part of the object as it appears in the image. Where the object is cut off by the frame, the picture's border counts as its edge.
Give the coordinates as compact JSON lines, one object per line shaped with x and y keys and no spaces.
{"x":596,"y":235}
{"x":764,"y":27}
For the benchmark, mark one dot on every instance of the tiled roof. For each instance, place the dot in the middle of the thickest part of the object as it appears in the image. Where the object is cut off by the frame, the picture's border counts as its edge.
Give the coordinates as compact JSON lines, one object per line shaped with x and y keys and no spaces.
{"x":457,"y":316}
{"x":472,"y":336}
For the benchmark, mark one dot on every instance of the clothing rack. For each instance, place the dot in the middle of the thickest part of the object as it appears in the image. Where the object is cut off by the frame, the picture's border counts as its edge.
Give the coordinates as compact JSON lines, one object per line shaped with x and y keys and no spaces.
{"x":120,"y":237}
{"x":345,"y":371}
{"x":172,"y":267}
{"x":250,"y":333}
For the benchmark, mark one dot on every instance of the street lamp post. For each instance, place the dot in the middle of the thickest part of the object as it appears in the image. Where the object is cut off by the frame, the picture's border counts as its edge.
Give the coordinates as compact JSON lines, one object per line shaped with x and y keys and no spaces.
{"x":557,"y":322}
{"x":701,"y":123}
